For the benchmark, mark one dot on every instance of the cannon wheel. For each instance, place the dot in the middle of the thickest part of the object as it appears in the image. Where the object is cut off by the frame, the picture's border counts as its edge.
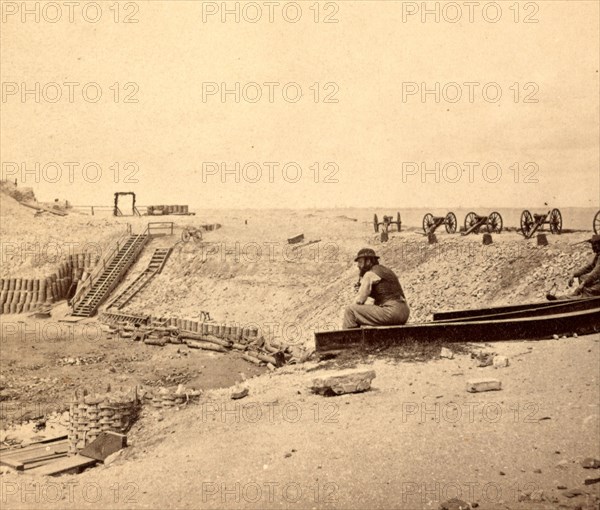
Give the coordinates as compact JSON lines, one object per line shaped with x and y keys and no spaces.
{"x":470,"y":220}
{"x":526,"y":223}
{"x":450,"y":223}
{"x":376,"y":223}
{"x":597,"y":223}
{"x":494,"y":223}
{"x":185,"y":236}
{"x":555,"y":221}
{"x":427,"y":222}
{"x":399,"y":224}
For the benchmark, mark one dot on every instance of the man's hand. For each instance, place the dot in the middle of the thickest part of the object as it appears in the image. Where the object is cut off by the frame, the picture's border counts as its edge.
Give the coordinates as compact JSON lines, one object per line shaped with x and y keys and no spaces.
{"x":571,"y":281}
{"x":357,"y":286}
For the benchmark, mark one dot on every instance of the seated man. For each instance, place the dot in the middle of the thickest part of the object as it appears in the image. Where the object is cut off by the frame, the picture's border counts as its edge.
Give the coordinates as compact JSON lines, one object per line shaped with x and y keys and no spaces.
{"x":381,"y":284}
{"x":589,"y":276}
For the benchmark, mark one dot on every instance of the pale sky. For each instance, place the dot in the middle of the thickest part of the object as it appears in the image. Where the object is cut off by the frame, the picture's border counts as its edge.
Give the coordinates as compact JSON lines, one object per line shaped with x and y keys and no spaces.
{"x":541,"y":136}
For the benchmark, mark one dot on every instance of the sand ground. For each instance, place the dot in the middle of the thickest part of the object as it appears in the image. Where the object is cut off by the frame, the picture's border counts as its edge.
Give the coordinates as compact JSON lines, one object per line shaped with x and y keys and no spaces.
{"x":415,"y":440}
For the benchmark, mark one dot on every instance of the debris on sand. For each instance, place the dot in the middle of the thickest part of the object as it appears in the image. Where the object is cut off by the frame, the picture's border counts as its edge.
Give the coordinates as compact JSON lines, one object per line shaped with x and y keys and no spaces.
{"x":479,"y":385}
{"x":347,"y":382}
{"x":236,"y":395}
{"x":500,"y":361}
{"x":455,"y":504}
{"x":446,"y":353}
{"x":590,"y":463}
{"x":483,"y":359}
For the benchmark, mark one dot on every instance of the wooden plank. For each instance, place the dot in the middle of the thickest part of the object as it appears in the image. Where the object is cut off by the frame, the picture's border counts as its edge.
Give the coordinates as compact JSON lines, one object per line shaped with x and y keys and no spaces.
{"x":33,"y":450}
{"x":104,"y":445}
{"x":42,"y":208}
{"x":74,"y":463}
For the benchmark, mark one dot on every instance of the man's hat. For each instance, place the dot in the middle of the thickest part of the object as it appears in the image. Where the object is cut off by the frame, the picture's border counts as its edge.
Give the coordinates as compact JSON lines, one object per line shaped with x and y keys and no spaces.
{"x":367,"y":252}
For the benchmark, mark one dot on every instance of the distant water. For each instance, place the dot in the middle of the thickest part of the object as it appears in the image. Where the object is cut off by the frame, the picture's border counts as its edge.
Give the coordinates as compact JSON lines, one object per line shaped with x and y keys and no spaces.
{"x":576,"y":218}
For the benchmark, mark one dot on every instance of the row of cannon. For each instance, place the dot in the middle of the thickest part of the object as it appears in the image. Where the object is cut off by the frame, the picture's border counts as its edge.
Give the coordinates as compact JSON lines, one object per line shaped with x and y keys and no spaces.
{"x":492,"y":223}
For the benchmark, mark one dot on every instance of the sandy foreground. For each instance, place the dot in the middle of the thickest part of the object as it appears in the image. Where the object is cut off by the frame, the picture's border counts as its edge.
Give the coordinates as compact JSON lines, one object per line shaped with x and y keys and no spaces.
{"x":414,"y":441}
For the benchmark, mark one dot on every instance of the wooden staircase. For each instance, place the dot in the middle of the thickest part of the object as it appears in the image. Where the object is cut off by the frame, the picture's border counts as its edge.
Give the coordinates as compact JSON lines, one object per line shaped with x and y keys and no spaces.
{"x":155,"y":266}
{"x":93,"y":291}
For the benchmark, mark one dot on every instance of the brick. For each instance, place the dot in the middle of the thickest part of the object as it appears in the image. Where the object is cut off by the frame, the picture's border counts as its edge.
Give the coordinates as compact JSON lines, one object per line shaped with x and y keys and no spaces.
{"x":479,"y":385}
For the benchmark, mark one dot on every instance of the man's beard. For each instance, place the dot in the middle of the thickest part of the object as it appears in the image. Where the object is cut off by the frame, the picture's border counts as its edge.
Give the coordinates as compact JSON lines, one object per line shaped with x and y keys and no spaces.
{"x":361,"y":272}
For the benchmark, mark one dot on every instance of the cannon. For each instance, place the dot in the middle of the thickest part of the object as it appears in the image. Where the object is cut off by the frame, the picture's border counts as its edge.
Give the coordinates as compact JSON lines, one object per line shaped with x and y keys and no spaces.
{"x":474,"y":223}
{"x":431,"y":223}
{"x":597,"y":223}
{"x":530,"y":224}
{"x":387,"y":221}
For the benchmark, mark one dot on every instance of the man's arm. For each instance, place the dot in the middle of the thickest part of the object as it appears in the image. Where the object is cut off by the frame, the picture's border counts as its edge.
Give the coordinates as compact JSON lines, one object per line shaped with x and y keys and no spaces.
{"x":585,"y":269}
{"x":368,"y":280}
{"x":592,"y":276}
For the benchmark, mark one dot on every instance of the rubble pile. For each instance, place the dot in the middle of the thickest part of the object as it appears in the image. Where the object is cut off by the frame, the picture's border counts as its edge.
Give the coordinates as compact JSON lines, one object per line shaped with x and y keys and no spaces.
{"x":207,"y":336}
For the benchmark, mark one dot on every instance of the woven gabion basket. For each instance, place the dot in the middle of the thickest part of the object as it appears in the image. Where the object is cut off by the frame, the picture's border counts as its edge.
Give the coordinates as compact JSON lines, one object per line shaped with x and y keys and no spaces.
{"x":172,"y":398}
{"x":90,"y":415}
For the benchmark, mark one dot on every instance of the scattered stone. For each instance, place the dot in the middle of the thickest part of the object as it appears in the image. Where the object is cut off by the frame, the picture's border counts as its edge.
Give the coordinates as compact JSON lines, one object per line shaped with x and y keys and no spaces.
{"x":500,"y":361}
{"x":350,"y":382}
{"x":537,"y":495}
{"x":538,"y":471}
{"x":487,"y":239}
{"x":287,"y":455}
{"x":446,"y":353}
{"x":555,"y":337}
{"x":479,"y":385}
{"x":483,"y":359}
{"x":590,"y":463}
{"x":112,"y":457}
{"x":572,"y":493}
{"x":562,"y":464}
{"x":502,"y":473}
{"x":591,"y":481}
{"x":454,"y":504}
{"x":561,"y":487}
{"x":236,"y":395}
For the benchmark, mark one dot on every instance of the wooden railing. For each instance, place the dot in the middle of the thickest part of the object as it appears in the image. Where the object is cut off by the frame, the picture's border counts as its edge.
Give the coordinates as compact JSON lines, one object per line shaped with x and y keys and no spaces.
{"x":100,"y":267}
{"x":160,"y":228}
{"x":152,"y":229}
